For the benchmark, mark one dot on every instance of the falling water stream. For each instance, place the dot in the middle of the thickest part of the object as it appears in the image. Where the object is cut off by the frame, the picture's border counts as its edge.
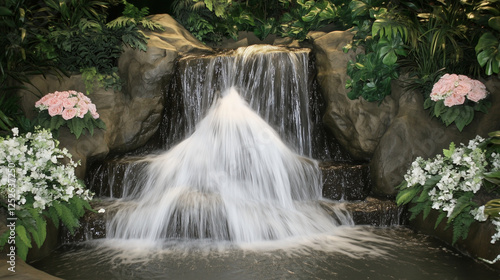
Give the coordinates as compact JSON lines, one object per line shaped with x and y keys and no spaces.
{"x":235,"y":195}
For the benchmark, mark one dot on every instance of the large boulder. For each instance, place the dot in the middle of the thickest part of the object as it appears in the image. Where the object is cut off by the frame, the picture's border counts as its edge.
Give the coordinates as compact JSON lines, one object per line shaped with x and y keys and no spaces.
{"x":132,"y":115}
{"x":358,"y":125}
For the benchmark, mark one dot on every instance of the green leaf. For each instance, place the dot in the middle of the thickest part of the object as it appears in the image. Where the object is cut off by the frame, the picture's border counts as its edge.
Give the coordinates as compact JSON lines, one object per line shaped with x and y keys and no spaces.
{"x":448,"y":153}
{"x":464,"y":118}
{"x":76,"y":127}
{"x":440,"y":218}
{"x":439,"y":108}
{"x":432,"y":181}
{"x":450,"y":115}
{"x":463,"y":202}
{"x":406,"y":196}
{"x":428,"y":103}
{"x":494,"y":22}
{"x":390,"y":58}
{"x":22,"y":235}
{"x":494,"y":134}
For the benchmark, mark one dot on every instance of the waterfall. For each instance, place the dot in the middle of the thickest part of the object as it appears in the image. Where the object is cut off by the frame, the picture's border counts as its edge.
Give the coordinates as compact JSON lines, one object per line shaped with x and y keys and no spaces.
{"x":273,"y":80}
{"x":231,"y":179}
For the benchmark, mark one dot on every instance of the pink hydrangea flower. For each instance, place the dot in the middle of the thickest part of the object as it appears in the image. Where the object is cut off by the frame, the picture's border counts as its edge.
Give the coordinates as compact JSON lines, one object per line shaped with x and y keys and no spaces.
{"x":455,"y":89}
{"x":70,"y":102}
{"x":83,"y":108}
{"x":53,"y":101}
{"x":454,"y":99}
{"x":478,"y":91}
{"x":55,"y":110}
{"x":69,"y":113}
{"x":60,"y":102}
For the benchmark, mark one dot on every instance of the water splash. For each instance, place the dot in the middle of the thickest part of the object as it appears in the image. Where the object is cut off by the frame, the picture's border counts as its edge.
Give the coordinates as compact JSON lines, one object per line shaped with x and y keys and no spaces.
{"x":232,"y":179}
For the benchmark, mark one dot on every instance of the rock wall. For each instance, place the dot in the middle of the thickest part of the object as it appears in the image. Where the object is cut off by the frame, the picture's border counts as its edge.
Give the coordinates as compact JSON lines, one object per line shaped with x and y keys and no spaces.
{"x":392,"y":134}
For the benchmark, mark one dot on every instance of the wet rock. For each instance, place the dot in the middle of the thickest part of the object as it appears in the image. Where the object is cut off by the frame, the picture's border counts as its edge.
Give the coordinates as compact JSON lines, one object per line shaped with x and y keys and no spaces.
{"x":345,"y":181}
{"x":371,"y":211}
{"x":92,"y":224}
{"x":376,"y":212}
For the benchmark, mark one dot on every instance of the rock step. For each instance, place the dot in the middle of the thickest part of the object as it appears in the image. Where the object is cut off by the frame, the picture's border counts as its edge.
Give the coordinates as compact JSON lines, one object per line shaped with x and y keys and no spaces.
{"x":371,"y":211}
{"x":344,"y":181}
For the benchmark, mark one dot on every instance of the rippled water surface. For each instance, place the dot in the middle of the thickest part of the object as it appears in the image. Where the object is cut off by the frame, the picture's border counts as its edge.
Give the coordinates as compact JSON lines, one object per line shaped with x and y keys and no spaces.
{"x":362,"y":253}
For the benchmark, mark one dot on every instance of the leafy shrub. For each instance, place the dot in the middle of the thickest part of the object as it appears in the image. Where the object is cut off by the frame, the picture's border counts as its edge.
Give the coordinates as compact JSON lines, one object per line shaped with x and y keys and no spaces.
{"x":450,"y":182}
{"x":211,"y":20}
{"x":36,"y":187}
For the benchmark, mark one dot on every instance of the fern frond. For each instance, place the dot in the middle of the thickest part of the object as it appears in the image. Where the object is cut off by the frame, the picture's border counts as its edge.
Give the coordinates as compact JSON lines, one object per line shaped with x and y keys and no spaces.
{"x":461,"y":225}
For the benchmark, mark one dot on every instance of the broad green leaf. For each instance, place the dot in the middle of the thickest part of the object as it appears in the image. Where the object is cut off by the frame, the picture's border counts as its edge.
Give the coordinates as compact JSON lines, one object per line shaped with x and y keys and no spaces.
{"x":494,"y":134}
{"x":439,"y":108}
{"x":432,"y":181}
{"x":390,"y":58}
{"x":487,"y":40}
{"x":494,"y":22}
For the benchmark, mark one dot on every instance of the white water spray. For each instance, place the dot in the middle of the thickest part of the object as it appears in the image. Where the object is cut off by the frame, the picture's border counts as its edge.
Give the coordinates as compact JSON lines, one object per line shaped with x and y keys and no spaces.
{"x":232,"y":179}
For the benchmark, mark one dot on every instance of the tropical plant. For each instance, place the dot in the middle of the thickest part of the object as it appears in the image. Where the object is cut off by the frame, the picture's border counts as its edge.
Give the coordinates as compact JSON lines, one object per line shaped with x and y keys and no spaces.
{"x":211,"y":20}
{"x":18,"y":61}
{"x":487,"y":14}
{"x":36,"y":187}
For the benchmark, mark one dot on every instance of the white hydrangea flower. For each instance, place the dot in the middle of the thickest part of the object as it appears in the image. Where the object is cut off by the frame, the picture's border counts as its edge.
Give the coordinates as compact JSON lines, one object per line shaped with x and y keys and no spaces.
{"x":33,"y":158}
{"x":478,"y":214}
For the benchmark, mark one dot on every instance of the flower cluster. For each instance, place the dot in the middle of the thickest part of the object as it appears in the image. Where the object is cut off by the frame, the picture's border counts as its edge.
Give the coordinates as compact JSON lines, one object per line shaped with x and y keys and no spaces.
{"x":455,"y":89}
{"x":68,"y":108}
{"x":448,"y":183}
{"x":40,"y":177}
{"x":460,"y":170}
{"x":68,"y":104}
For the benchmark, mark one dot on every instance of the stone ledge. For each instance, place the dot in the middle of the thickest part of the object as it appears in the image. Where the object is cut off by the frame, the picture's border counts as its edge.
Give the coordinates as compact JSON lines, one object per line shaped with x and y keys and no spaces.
{"x":343,"y":181}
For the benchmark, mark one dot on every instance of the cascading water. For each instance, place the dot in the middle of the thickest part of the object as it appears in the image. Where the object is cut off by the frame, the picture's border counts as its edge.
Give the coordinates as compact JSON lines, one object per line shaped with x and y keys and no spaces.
{"x":273,"y":80}
{"x":232,"y":179}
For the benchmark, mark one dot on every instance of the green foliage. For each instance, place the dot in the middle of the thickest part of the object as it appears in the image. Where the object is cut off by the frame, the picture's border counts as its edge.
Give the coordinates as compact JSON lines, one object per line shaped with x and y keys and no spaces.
{"x":93,"y":78}
{"x":52,"y":36}
{"x":371,"y":74}
{"x":488,"y":53}
{"x":309,"y":15}
{"x":31,"y":225}
{"x":210,"y":20}
{"x":433,"y":38}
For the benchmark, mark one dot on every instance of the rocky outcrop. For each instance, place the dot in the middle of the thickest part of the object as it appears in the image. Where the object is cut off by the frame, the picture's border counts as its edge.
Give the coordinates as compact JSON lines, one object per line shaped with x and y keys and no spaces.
{"x":132,"y":115}
{"x":357,"y":125}
{"x":393,"y":133}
